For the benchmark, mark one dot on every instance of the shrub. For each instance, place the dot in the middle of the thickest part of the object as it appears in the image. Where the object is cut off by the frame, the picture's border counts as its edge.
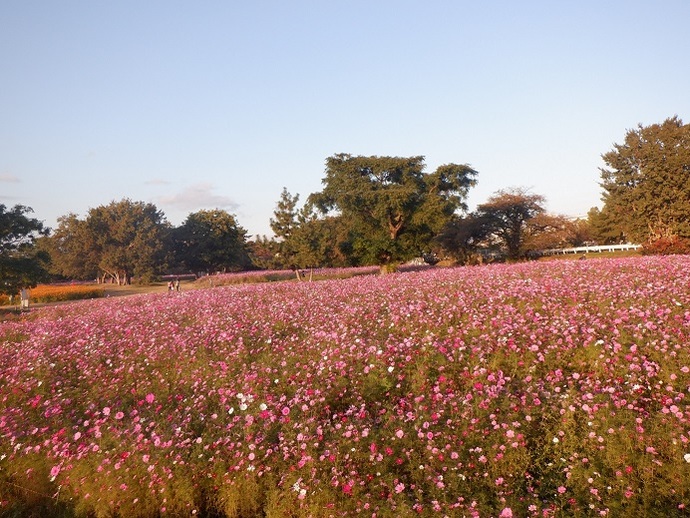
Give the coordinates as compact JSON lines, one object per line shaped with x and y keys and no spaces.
{"x":58,"y":292}
{"x":667,"y":246}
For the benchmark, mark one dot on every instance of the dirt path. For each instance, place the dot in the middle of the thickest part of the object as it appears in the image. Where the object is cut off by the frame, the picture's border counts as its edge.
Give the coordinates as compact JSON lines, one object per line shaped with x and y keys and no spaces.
{"x":111,"y":290}
{"x":123,"y":291}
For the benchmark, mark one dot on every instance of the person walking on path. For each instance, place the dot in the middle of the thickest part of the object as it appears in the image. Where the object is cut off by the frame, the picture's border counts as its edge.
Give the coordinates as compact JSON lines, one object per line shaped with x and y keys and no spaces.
{"x":24,"y":297}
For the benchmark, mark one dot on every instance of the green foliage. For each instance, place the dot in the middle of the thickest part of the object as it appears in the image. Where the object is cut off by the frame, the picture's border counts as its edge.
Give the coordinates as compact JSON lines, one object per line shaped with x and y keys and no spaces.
{"x":390,"y":206}
{"x":285,"y":218}
{"x":462,"y":236}
{"x":72,"y":248}
{"x":262,"y":252}
{"x":507,"y":213}
{"x":545,"y":231}
{"x":319,"y":242}
{"x":21,"y":263}
{"x":603,"y":229}
{"x":130,"y":236}
{"x":211,"y":241}
{"x":304,"y":239}
{"x":647,"y":182}
{"x":122,"y":240}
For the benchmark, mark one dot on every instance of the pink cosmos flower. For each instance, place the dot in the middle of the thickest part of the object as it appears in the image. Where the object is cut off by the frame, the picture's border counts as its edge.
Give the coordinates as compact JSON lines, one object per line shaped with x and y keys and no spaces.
{"x":150,"y":398}
{"x":507,"y":512}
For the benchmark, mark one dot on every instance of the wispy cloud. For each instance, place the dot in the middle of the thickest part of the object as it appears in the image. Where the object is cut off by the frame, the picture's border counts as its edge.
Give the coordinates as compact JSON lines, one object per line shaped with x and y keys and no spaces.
{"x":196,"y":197}
{"x":8,"y":178}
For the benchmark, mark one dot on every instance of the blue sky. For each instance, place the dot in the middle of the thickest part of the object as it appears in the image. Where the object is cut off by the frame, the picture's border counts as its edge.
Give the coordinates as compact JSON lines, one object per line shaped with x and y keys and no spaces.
{"x":200,"y":105}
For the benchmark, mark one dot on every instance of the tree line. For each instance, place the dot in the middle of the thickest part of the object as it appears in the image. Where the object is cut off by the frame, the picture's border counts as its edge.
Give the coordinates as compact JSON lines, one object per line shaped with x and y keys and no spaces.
{"x":371,"y":210}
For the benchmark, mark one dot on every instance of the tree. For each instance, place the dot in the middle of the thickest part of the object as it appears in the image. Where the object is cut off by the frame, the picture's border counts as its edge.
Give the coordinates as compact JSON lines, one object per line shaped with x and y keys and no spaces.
{"x":285,"y":218}
{"x":546,"y":231}
{"x":73,"y":250}
{"x":647,"y":182}
{"x":210,"y":241}
{"x":122,"y":240}
{"x":319,"y":241}
{"x":304,"y":239}
{"x":603,"y":228}
{"x":262,"y":252}
{"x":508,"y":212}
{"x":22,"y":265}
{"x":285,"y":222}
{"x":393,"y":209}
{"x":462,"y":237}
{"x":131,"y":240}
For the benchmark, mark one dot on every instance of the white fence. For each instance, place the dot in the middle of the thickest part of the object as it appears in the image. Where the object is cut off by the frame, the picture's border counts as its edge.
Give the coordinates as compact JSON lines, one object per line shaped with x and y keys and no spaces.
{"x":591,"y":249}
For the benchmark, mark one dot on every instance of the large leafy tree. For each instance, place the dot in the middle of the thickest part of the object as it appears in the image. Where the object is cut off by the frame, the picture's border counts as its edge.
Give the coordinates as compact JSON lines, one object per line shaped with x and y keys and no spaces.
{"x":210,"y":241}
{"x":391,"y":206}
{"x":646,"y":182}
{"x":119,"y":241}
{"x":508,"y":213}
{"x":73,"y":250}
{"x":546,"y":231}
{"x":131,"y":240}
{"x":262,"y":252}
{"x":22,"y":265}
{"x":462,"y":238}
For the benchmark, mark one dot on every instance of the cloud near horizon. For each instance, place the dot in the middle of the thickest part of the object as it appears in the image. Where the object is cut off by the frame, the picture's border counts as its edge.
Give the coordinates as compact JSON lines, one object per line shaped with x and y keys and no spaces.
{"x":197,"y":197}
{"x":8,"y":178}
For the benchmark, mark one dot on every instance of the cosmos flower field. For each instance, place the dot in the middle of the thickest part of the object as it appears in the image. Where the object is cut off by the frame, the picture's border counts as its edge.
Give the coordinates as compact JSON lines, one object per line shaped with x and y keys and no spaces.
{"x":536,"y":389}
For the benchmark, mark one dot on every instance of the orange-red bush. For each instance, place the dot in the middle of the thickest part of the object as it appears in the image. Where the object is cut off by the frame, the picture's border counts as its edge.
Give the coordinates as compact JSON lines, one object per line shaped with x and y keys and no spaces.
{"x":667,"y":246}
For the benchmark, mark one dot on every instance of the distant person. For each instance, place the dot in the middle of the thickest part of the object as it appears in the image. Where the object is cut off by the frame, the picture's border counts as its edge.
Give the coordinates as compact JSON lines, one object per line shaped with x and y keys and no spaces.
{"x":24,"y":296}
{"x":177,"y":284}
{"x":171,"y":287}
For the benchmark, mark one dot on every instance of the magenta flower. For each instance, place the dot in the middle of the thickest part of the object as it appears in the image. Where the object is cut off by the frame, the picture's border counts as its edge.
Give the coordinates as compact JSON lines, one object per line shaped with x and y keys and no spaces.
{"x":54,"y":471}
